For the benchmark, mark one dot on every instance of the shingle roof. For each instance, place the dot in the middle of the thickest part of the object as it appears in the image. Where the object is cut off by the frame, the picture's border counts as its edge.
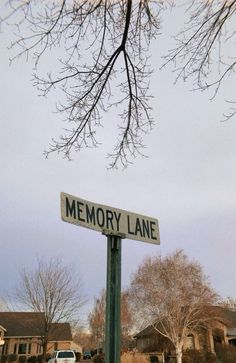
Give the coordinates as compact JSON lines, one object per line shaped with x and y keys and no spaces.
{"x":21,"y":323}
{"x":29,"y":324}
{"x":60,"y":332}
{"x":230,"y":316}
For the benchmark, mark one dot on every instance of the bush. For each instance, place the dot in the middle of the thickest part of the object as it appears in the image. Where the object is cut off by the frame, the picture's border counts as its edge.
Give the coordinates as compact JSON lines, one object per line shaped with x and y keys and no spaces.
{"x":226,"y":354}
{"x":196,"y":356}
{"x":32,"y":359}
{"x":99,"y":358}
{"x":209,"y":357}
{"x":3,"y":358}
{"x":78,"y":356}
{"x":39,"y":358}
{"x":12,"y":357}
{"x":134,"y":358}
{"x":192,"y":356}
{"x":22,"y":358}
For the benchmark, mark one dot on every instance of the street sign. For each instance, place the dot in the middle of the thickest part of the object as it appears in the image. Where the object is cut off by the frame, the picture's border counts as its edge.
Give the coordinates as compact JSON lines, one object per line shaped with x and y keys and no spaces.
{"x":109,"y":220}
{"x":115,"y":224}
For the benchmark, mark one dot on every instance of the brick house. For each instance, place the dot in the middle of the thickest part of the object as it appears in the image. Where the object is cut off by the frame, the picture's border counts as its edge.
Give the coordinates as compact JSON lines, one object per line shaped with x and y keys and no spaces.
{"x":223,"y":332}
{"x":23,"y":334}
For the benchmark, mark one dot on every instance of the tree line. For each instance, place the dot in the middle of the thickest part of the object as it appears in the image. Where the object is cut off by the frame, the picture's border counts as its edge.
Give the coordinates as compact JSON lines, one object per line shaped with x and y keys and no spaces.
{"x":169,"y":293}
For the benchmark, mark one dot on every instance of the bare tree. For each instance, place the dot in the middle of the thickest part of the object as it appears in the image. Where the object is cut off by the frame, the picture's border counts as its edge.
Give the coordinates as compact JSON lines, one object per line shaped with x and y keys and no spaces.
{"x":97,"y":320}
{"x":172,"y":294}
{"x":5,"y":304}
{"x":52,"y":290}
{"x":205,"y":49}
{"x":102,"y":39}
{"x":83,"y":338}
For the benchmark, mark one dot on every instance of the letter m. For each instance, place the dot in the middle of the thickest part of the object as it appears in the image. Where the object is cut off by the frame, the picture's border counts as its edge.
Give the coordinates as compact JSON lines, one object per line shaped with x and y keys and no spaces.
{"x":90,"y":215}
{"x":70,"y":208}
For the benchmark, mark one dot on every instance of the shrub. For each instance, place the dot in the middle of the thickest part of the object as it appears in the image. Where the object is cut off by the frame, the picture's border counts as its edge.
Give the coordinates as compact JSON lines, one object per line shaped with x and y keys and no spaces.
{"x":196,"y":356}
{"x":3,"y":358}
{"x":209,"y":357}
{"x":78,"y":356}
{"x":134,"y":358}
{"x":99,"y":358}
{"x":226,"y":354}
{"x":192,"y":356}
{"x":12,"y":357}
{"x":39,"y":358}
{"x":32,"y":359}
{"x":22,"y":358}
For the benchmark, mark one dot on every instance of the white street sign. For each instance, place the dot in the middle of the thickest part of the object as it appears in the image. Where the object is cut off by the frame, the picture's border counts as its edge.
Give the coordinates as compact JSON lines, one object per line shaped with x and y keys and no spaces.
{"x":108,"y":220}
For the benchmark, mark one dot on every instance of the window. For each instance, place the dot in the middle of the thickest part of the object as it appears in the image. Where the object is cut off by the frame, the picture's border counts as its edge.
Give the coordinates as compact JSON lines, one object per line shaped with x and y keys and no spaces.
{"x":65,"y":354}
{"x":22,"y":348}
{"x":15,"y":348}
{"x":190,"y":344}
{"x":5,"y":349}
{"x":29,"y":348}
{"x":39,"y":348}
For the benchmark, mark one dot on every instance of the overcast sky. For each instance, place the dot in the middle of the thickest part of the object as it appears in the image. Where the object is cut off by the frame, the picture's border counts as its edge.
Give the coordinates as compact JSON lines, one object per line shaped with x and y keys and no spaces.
{"x":188,"y":180}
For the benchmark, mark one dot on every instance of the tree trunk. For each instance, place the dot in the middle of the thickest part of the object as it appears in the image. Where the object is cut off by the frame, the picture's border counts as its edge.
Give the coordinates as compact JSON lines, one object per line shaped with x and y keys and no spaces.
{"x":179,"y":353}
{"x":44,"y":355}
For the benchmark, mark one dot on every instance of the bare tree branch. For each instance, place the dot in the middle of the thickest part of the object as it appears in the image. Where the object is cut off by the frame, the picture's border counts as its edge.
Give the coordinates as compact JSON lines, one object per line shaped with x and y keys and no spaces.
{"x":103,"y":40}
{"x":205,"y":48}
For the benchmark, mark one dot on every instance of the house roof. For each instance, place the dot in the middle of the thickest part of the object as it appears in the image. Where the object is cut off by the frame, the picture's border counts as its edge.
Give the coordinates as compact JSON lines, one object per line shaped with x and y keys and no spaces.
{"x":60,"y":332}
{"x":21,"y":323}
{"x":226,"y":316}
{"x":230,"y":316}
{"x":29,"y":324}
{"x":145,"y":332}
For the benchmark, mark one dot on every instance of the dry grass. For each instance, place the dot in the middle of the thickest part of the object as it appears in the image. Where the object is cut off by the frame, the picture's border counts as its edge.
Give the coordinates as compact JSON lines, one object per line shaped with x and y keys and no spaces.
{"x":134,"y":358}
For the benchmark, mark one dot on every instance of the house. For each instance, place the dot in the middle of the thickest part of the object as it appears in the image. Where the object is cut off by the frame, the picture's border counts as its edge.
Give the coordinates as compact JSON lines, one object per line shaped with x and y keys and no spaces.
{"x":222,"y":332}
{"x":23,"y":334}
{"x":2,"y":334}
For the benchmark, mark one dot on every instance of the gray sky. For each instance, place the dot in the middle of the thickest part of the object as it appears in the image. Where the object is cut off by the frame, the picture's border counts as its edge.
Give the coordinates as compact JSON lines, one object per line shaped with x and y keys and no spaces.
{"x":187,"y":182}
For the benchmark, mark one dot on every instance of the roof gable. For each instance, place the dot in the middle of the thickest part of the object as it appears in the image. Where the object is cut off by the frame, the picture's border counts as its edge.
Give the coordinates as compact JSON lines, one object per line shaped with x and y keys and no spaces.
{"x":30,"y":324}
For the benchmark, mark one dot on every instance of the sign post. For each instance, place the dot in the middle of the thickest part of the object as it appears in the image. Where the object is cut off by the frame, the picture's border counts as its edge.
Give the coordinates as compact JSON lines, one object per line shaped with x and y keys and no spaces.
{"x":113,"y":298}
{"x":115,"y":224}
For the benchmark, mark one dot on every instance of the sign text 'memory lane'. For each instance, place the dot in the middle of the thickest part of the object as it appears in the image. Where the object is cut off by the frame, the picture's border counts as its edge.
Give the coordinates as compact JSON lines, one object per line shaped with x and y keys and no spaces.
{"x":109,"y":220}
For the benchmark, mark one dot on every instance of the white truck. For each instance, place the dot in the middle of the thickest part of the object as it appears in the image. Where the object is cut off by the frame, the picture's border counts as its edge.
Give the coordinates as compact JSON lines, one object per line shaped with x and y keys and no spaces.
{"x":63,"y":356}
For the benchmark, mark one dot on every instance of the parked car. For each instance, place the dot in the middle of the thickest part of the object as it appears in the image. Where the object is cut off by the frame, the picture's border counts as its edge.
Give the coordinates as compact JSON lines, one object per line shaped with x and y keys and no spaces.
{"x":87,"y":355}
{"x":63,"y":356}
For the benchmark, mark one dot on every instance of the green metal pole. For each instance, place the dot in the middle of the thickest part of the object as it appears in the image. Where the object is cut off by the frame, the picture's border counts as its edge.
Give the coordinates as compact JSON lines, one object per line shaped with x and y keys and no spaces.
{"x":113,"y":298}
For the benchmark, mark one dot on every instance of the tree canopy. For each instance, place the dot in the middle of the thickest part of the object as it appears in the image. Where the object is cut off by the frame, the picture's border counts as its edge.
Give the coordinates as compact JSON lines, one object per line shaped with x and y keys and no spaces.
{"x":172,"y":294}
{"x":97,"y":320}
